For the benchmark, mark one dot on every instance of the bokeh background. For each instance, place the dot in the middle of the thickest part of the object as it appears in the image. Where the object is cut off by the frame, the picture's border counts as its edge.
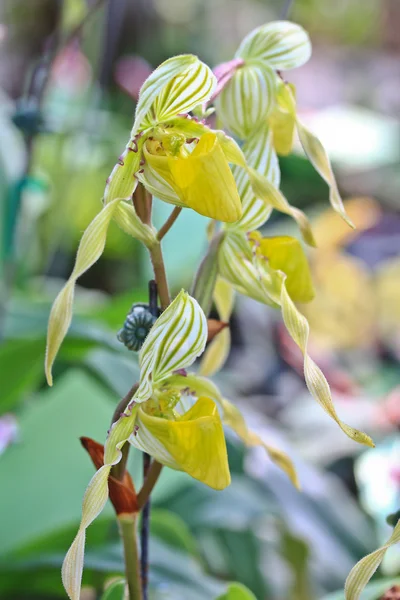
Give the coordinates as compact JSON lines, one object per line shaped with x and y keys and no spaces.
{"x":70,"y":71}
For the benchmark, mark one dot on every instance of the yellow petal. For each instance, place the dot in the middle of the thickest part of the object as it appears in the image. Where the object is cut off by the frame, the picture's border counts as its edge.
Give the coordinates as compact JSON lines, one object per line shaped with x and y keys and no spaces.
{"x":285,"y":254}
{"x":216,"y":353}
{"x":298,"y":328}
{"x":202,"y":180}
{"x":235,"y":420}
{"x":224,"y":296}
{"x":283,"y":119}
{"x":195,"y":441}
{"x":366,"y":567}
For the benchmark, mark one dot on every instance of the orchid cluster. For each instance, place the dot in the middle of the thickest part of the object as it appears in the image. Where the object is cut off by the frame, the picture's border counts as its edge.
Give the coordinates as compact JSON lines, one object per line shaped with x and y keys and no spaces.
{"x":174,"y":155}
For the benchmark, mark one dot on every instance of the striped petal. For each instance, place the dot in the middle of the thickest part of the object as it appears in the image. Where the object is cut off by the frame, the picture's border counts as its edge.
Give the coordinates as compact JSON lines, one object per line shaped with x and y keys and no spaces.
{"x":247,"y":99}
{"x":178,"y":336}
{"x":264,"y":189}
{"x":319,"y":158}
{"x":298,"y":328}
{"x":360,"y":575}
{"x":282,"y":45}
{"x":194,"y":442}
{"x":90,"y":249}
{"x":177,"y":86}
{"x":233,"y":418}
{"x":283,"y":118}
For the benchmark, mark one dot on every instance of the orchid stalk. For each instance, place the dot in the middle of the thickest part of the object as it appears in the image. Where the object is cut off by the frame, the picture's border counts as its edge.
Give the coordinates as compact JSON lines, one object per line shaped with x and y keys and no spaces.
{"x":174,"y":155}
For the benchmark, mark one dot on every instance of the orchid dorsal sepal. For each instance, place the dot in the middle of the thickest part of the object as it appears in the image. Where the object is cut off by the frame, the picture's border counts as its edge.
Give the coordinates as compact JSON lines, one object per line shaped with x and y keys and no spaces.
{"x":176,"y":87}
{"x":282,"y":45}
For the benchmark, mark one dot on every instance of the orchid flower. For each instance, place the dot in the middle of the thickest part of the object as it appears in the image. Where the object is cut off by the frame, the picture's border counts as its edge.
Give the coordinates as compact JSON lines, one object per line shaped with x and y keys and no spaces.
{"x":181,"y":434}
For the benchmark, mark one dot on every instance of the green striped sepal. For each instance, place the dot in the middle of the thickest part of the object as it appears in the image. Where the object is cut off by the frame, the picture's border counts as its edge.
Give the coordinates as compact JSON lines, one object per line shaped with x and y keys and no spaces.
{"x":176,"y":339}
{"x":261,"y":156}
{"x":176,"y":87}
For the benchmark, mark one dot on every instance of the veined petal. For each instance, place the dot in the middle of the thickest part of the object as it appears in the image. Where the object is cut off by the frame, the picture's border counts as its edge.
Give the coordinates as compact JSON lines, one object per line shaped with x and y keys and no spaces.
{"x":126,"y":218}
{"x":298,"y":328}
{"x":235,"y":420}
{"x":247,"y":99}
{"x":264,"y":189}
{"x":178,"y":336}
{"x":224,"y":296}
{"x":272,"y":196}
{"x":90,"y":249}
{"x":154,"y":182}
{"x":202,"y":180}
{"x":281,"y":44}
{"x":194,"y":443}
{"x":362,"y":572}
{"x":318,"y":157}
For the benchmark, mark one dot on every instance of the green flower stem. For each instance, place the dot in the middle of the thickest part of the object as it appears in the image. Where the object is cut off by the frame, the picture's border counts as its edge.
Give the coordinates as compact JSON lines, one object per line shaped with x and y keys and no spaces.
{"x":127,"y":527}
{"x":160,"y":275}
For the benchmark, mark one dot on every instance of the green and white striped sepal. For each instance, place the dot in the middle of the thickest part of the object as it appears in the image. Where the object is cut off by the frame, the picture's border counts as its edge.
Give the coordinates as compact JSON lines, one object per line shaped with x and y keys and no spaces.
{"x":248,"y":98}
{"x":261,"y":156}
{"x":177,"y":86}
{"x":281,"y":45}
{"x":176,"y":339}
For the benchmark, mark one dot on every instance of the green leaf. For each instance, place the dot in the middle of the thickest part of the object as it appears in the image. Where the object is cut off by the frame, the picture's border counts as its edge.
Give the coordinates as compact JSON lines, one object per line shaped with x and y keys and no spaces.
{"x":171,"y":529}
{"x":237,"y":591}
{"x":21,"y":369}
{"x":372,"y":591}
{"x":49,"y":461}
{"x":116,"y":591}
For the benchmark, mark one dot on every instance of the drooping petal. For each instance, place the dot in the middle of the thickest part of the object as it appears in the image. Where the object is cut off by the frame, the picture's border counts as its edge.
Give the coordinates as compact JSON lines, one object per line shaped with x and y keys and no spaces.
{"x":362,"y":572}
{"x":235,"y":420}
{"x":265,"y":190}
{"x":282,"y":45}
{"x":318,"y":157}
{"x":90,"y":249}
{"x":298,"y":328}
{"x":176,"y":86}
{"x":194,"y":442}
{"x":178,"y":336}
{"x":247,"y":99}
{"x":202,"y":180}
{"x":94,"y":501}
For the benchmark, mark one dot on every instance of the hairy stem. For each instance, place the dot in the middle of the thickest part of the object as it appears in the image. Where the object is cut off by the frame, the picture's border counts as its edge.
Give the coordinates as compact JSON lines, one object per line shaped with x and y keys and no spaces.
{"x":169,"y":222}
{"x":145,"y":532}
{"x":128,"y":529}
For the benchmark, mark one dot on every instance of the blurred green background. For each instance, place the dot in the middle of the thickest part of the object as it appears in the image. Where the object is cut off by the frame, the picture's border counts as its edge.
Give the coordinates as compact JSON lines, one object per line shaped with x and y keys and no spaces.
{"x":70,"y":71}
